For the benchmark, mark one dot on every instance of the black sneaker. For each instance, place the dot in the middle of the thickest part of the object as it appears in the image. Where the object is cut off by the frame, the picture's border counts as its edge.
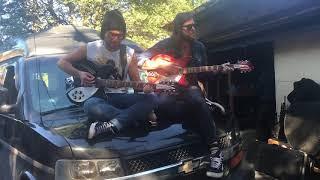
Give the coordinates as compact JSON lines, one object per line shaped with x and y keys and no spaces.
{"x":97,"y":128}
{"x":215,"y":169}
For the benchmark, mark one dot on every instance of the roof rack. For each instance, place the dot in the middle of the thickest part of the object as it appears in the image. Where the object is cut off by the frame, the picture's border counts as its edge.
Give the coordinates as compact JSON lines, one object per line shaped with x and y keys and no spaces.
{"x":11,"y":54}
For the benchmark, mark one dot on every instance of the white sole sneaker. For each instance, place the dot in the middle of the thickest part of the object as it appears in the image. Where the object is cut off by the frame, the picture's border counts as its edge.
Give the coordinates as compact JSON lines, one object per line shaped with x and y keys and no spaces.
{"x":92,"y":130}
{"x":214,"y":175}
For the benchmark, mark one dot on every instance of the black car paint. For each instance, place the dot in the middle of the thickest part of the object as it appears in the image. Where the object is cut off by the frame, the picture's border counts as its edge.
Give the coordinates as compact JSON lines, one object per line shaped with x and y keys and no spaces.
{"x":31,"y":143}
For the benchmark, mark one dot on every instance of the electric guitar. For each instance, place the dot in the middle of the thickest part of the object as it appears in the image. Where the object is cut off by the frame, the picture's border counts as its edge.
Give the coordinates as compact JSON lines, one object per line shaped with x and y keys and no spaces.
{"x":162,"y":75}
{"x":78,"y":94}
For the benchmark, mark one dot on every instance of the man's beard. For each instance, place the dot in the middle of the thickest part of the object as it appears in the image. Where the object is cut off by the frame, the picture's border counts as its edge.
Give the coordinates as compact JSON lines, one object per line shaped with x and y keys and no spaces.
{"x":187,"y":38}
{"x":111,"y":46}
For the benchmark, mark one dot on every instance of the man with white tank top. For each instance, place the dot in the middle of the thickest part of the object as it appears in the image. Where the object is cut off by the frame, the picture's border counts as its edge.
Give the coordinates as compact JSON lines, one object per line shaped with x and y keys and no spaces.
{"x":116,"y":110}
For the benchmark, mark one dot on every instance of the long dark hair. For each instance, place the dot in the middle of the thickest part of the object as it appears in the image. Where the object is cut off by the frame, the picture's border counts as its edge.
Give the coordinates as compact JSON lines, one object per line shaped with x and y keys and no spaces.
{"x":176,"y":34}
{"x":178,"y":22}
{"x":113,"y":20}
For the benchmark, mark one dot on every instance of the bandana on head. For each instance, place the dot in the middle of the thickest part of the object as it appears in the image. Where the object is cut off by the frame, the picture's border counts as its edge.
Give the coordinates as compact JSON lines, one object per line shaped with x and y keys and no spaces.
{"x":113,"y":20}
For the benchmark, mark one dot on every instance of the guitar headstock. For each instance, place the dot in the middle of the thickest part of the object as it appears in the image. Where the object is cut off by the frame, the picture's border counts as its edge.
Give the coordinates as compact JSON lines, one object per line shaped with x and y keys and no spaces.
{"x":244,"y":66}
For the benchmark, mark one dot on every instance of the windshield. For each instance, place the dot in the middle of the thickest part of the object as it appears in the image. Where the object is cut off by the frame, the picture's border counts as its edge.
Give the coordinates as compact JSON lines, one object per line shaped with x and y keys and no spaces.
{"x":47,"y":85}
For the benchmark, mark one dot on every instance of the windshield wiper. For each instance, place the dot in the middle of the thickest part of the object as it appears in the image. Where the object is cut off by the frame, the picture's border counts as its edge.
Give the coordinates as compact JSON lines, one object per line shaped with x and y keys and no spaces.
{"x":59,"y":109}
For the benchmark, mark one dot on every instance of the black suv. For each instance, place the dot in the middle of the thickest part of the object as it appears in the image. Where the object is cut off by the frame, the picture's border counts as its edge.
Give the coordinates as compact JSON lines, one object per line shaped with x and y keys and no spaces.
{"x":43,"y":135}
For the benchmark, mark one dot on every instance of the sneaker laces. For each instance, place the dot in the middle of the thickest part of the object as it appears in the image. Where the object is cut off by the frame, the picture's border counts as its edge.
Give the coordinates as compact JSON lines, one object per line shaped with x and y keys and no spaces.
{"x":216,"y":162}
{"x":104,"y":127}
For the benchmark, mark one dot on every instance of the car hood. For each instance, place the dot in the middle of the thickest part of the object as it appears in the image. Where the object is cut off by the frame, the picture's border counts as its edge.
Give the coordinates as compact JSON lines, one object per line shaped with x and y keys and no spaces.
{"x":74,"y":127}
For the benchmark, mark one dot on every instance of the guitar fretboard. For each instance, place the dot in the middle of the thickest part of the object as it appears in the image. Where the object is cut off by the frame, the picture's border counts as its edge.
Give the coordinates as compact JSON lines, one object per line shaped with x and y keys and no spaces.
{"x":215,"y":68}
{"x":118,"y":83}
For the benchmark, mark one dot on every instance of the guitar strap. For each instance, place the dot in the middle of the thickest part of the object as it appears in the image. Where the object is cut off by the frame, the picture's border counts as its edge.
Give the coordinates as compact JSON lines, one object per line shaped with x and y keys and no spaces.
{"x":123,"y":59}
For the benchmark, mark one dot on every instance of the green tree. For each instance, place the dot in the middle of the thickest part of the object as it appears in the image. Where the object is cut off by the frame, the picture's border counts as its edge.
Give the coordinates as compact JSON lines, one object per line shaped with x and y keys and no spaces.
{"x":46,"y":13}
{"x":145,"y":18}
{"x":11,"y":23}
{"x":18,"y":18}
{"x":90,"y":12}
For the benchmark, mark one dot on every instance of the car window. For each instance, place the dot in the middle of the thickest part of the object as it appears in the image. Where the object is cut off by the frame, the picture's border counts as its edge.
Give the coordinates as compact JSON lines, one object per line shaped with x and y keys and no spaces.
{"x":47,"y":85}
{"x":7,"y":79}
{"x":3,"y":71}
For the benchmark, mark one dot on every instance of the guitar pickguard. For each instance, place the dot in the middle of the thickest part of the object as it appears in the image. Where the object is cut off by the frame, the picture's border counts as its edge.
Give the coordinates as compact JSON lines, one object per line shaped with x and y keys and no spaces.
{"x":80,"y":94}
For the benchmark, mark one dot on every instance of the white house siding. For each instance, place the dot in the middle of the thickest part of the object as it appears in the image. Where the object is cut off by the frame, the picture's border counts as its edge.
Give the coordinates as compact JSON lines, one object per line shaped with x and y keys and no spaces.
{"x":297,"y":55}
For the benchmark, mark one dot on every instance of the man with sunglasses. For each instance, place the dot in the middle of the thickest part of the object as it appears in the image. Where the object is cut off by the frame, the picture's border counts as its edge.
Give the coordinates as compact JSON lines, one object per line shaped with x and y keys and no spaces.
{"x":111,"y":112}
{"x":183,"y":46}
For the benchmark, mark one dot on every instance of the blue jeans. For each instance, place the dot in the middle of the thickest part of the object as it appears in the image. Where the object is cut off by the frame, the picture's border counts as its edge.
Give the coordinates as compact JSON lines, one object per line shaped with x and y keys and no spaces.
{"x":191,"y":108}
{"x":128,"y":109}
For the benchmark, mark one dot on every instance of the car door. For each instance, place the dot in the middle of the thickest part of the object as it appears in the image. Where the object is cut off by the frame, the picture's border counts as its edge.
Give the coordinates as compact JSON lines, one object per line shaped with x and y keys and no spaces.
{"x":8,"y":130}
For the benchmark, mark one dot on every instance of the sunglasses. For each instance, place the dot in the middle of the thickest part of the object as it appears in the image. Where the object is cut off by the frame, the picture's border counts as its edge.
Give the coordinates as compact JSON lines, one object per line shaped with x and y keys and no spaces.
{"x":115,"y":35}
{"x":189,"y":27}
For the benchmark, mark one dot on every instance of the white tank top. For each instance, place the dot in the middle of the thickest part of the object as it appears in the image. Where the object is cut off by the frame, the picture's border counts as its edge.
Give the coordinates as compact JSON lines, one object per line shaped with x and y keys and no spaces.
{"x":97,"y":53}
{"x":100,"y":55}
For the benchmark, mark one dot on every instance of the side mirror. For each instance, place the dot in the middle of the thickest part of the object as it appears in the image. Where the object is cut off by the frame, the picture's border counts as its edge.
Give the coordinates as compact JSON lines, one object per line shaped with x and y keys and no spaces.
{"x":4,"y":107}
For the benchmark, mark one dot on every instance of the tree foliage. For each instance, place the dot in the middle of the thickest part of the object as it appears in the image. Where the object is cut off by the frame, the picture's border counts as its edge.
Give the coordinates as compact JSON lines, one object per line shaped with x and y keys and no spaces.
{"x":145,"y":18}
{"x":18,"y":18}
{"x":46,"y":13}
{"x":13,"y":22}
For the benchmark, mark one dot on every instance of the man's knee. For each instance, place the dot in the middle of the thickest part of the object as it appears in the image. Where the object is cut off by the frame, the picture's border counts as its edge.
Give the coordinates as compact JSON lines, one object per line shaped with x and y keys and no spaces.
{"x":90,"y":106}
{"x":195,"y":91}
{"x":197,"y":98}
{"x":150,"y":99}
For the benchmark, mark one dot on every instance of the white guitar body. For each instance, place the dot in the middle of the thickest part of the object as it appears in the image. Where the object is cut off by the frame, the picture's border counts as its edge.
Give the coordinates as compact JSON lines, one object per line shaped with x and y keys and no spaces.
{"x":78,"y":94}
{"x":81,"y":94}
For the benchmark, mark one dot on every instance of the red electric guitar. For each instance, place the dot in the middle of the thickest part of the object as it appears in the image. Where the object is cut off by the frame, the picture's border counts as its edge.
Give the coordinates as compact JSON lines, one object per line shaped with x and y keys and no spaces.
{"x":164,"y":75}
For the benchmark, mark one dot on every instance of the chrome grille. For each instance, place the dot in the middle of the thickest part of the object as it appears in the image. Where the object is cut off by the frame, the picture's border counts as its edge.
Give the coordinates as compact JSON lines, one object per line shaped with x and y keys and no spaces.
{"x":164,"y":158}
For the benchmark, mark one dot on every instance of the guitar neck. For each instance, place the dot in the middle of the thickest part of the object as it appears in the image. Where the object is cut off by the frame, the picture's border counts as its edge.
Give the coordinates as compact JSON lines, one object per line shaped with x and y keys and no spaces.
{"x":118,"y":83}
{"x":214,"y":68}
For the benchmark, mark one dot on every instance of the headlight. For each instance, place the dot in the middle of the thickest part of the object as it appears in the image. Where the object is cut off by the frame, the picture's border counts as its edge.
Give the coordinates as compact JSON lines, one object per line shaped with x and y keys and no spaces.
{"x":109,"y":168}
{"x":88,"y":169}
{"x":83,"y":170}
